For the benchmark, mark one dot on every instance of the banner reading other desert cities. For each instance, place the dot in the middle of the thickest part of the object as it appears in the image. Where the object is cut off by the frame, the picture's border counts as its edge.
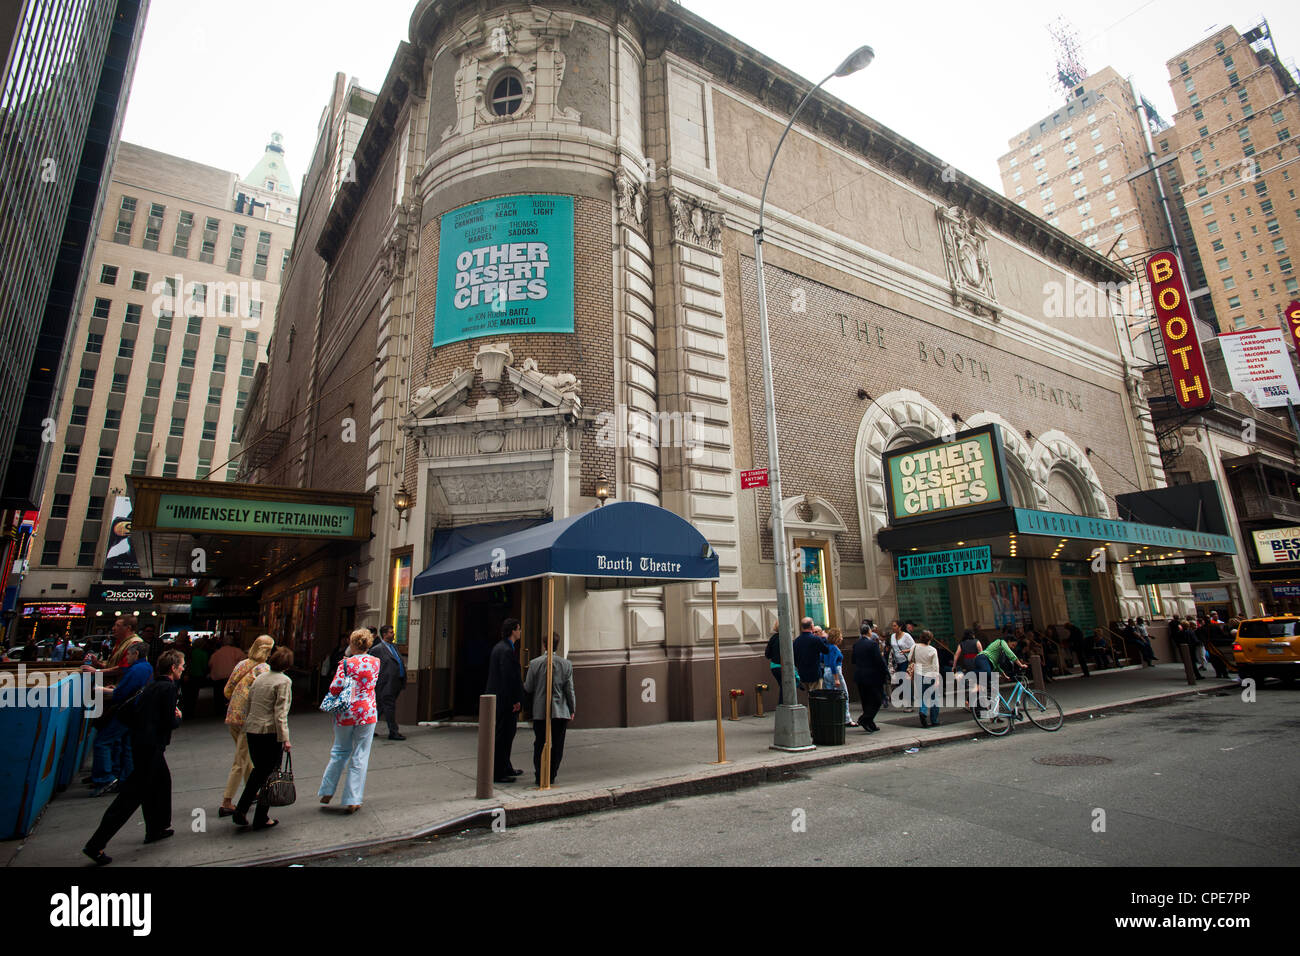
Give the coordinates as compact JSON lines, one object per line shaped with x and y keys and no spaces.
{"x":505,"y":266}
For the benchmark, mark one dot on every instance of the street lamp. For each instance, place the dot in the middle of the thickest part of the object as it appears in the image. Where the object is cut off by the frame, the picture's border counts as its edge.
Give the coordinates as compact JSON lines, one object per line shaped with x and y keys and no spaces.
{"x":791,"y":731}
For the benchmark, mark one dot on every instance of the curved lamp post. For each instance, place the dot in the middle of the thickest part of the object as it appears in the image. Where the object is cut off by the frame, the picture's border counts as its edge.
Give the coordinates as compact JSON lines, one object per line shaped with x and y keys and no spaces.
{"x":791,"y":732}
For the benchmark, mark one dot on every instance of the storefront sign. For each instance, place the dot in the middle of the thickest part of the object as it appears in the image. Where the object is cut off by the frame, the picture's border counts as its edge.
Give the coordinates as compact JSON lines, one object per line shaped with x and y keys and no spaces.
{"x":73,"y":610}
{"x":197,"y":513}
{"x":114,"y":595}
{"x":505,"y":266}
{"x":1173,"y":310}
{"x":1210,"y":595}
{"x":1119,"y":532}
{"x":1259,"y":365}
{"x":1175,"y":573}
{"x":941,"y":477}
{"x":753,"y":479}
{"x":945,"y":564}
{"x":1277,"y":545}
{"x":1286,"y":590}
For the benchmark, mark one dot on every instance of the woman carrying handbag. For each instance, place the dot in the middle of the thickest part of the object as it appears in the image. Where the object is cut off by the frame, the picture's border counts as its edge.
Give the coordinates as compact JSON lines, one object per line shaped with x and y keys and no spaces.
{"x":267,"y":728}
{"x":352,"y":702}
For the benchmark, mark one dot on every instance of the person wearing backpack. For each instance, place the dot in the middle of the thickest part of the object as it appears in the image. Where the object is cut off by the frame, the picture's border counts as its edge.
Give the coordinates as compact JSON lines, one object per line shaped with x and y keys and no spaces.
{"x":151,"y":715}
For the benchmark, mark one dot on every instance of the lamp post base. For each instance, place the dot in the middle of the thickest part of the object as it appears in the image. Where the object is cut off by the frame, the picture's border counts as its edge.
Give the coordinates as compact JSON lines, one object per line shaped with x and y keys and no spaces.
{"x":791,"y":732}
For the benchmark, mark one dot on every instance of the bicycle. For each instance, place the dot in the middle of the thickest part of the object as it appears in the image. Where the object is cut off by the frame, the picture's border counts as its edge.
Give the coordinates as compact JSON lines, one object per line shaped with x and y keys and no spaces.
{"x":1019,"y":703}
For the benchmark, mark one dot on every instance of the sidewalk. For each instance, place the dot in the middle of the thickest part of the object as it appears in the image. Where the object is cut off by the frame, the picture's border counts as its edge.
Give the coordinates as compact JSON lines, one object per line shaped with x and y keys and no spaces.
{"x":428,"y":780}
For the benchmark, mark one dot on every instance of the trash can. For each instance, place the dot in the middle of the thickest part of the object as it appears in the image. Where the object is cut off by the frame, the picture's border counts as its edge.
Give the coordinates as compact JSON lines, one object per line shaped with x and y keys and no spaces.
{"x":826,"y":717}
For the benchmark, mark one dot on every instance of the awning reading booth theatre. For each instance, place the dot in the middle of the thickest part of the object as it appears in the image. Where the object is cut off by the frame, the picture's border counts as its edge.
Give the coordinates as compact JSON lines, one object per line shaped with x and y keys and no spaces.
{"x":953,"y":493}
{"x":622,"y":545}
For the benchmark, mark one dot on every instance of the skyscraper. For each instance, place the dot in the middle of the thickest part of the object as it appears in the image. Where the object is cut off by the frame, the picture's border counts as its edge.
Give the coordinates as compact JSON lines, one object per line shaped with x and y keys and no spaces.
{"x":67,"y":71}
{"x":1237,"y":119}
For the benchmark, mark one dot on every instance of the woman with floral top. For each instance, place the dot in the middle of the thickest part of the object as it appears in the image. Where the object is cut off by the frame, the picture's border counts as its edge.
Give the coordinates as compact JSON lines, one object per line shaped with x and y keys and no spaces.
{"x":237,"y":687}
{"x":354,"y":728}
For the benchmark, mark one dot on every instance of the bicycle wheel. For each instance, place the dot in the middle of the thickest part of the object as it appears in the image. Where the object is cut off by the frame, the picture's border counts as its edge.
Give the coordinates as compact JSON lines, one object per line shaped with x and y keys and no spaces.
{"x":995,"y":722}
{"x":1044,"y":711}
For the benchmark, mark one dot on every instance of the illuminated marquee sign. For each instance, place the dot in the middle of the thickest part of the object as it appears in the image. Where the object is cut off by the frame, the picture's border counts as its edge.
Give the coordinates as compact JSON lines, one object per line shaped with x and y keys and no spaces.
{"x":1173,"y":311}
{"x":958,"y":475}
{"x":1277,"y":545}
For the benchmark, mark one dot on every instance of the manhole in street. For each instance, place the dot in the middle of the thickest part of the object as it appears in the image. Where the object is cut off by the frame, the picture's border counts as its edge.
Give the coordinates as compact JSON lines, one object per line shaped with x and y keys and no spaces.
{"x":1072,"y":760}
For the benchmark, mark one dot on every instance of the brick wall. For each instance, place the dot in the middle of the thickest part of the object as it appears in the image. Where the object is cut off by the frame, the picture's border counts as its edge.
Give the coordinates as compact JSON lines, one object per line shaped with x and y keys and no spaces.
{"x":844,"y":341}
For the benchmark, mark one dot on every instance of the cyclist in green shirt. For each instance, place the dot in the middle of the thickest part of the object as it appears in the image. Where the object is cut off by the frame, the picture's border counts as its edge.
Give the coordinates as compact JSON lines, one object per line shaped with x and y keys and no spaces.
{"x":997,"y":655}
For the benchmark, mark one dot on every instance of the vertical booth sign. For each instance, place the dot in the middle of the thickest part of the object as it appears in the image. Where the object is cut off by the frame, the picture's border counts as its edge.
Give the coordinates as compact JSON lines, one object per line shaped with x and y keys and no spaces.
{"x":1293,"y":321}
{"x":1183,"y":348}
{"x":505,"y":266}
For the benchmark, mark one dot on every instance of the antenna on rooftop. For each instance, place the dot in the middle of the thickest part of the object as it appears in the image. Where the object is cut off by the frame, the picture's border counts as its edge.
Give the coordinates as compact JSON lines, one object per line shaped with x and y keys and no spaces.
{"x":1070,"y":71}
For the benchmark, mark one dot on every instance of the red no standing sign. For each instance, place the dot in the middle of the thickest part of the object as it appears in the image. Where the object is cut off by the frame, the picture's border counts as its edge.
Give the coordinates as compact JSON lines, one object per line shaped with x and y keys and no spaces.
{"x":757,"y":478}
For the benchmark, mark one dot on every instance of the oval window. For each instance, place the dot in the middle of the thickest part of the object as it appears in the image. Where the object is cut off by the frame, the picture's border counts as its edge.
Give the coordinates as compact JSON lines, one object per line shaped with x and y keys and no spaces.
{"x":507,"y":95}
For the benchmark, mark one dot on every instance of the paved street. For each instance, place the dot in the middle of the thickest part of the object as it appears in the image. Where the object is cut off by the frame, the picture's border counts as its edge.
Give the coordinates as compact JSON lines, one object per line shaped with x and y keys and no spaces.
{"x":1197,"y":781}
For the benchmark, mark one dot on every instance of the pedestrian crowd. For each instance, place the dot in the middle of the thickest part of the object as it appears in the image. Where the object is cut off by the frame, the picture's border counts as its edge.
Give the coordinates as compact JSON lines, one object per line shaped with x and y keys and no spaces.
{"x":145,"y":703}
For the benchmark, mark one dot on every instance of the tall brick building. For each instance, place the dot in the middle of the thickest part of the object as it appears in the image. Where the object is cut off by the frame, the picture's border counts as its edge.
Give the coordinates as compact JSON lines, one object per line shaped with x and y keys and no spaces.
{"x":536,"y":283}
{"x":1236,"y":127}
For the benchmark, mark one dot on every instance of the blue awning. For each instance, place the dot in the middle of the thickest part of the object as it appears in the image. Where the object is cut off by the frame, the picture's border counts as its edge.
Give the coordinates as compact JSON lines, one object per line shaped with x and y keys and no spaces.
{"x":628,"y":544}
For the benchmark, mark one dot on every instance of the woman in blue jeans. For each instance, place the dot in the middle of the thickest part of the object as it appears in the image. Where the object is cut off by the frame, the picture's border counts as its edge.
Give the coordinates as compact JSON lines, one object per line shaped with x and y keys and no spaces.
{"x":354,"y":728}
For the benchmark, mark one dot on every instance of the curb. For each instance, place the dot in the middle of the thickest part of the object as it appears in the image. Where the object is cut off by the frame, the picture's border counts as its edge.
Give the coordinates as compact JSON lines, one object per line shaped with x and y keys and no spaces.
{"x":695,"y":784}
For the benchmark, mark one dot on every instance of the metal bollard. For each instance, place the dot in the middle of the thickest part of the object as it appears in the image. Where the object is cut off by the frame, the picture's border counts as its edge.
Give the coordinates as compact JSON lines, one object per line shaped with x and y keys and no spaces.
{"x":1186,"y":653}
{"x":758,"y":699}
{"x":736,"y":694}
{"x":487,"y":740}
{"x":1036,"y":669}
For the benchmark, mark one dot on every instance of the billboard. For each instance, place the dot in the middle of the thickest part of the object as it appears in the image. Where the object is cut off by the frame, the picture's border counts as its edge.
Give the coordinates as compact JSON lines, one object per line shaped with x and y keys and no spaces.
{"x":1277,"y":545}
{"x":1259,"y":364}
{"x":942,"y":477}
{"x":1174,"y":314}
{"x":505,"y":266}
{"x":120,"y":563}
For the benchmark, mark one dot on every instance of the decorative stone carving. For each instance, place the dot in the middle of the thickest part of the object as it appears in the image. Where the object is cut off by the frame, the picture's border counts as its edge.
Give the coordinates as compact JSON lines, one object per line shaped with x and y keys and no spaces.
{"x":694,"y":222}
{"x":525,"y":42}
{"x":965,"y":247}
{"x":491,"y":361}
{"x":632,"y":199}
{"x":496,"y":486}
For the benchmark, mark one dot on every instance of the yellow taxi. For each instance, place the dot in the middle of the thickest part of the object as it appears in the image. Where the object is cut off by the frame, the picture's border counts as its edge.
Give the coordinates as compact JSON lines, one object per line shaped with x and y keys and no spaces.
{"x":1268,"y":647}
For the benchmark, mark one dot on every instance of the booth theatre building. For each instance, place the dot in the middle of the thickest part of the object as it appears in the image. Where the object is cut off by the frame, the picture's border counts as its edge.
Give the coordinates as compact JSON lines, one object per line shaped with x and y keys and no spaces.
{"x":539,"y":287}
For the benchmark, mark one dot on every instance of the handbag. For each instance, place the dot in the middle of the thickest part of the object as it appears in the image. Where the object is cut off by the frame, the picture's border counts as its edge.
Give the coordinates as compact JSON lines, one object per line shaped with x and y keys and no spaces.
{"x":278,"y":791}
{"x":339,"y":704}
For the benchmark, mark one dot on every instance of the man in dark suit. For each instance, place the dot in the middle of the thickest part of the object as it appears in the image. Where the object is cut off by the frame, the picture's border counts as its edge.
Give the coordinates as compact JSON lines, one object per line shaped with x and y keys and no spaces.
{"x":392,"y":677}
{"x":505,"y":682}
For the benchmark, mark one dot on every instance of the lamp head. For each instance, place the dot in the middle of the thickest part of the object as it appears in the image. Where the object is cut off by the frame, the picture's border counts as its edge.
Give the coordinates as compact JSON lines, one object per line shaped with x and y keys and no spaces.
{"x":859,"y":59}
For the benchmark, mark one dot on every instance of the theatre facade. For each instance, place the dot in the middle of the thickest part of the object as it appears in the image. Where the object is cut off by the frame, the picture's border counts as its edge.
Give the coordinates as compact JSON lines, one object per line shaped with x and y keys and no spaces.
{"x":549,"y":240}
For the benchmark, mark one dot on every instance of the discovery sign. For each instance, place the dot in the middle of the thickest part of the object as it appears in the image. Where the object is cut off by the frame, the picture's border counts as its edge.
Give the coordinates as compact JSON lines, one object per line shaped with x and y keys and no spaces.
{"x":944,"y":564}
{"x":505,"y":266}
{"x":943,"y":477}
{"x":197,"y":513}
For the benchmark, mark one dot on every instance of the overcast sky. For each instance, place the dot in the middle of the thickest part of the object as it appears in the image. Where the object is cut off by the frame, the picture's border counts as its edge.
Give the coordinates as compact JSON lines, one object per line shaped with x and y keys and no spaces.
{"x":216,"y":77}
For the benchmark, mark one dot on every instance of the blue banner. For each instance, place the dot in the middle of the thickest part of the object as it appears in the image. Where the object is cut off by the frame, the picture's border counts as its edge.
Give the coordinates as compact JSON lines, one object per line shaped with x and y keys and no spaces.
{"x":505,"y":266}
